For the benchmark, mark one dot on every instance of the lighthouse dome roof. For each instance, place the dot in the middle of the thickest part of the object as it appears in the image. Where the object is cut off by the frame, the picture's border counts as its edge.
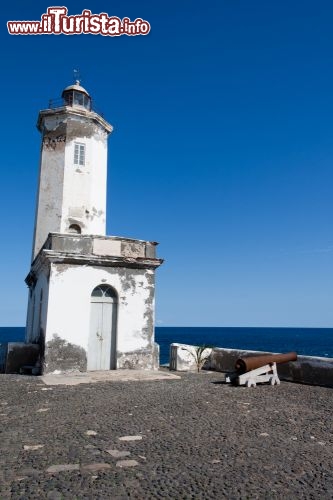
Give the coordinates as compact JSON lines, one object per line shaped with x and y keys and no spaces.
{"x":76,"y":86}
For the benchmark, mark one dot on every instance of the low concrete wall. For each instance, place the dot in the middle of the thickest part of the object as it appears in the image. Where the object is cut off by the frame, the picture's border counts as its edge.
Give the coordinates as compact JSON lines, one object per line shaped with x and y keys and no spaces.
{"x":3,"y":356}
{"x":20,"y":354}
{"x":183,"y":357}
{"x":306,"y":370}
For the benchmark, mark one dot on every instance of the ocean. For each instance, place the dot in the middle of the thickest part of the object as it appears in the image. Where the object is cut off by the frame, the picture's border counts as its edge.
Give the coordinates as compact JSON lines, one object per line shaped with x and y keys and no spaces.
{"x":306,"y":341}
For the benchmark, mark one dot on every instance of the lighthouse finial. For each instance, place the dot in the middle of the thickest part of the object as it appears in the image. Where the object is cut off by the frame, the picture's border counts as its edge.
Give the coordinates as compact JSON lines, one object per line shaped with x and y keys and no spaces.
{"x":77,"y":76}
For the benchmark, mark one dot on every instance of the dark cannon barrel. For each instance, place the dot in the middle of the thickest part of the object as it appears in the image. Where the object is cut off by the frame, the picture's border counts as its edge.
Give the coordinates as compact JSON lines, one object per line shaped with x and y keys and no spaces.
{"x":246,"y":364}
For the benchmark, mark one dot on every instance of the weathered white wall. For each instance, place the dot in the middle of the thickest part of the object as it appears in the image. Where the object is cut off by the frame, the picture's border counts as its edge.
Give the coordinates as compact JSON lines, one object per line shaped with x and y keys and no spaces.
{"x":71,"y":194}
{"x":50,"y":187}
{"x":37,"y":314}
{"x":70,"y":289}
{"x":84,"y":191}
{"x":28,"y":329}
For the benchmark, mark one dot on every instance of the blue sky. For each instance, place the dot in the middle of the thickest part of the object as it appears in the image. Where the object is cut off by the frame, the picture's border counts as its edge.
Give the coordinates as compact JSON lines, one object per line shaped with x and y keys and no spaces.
{"x":222,"y":152}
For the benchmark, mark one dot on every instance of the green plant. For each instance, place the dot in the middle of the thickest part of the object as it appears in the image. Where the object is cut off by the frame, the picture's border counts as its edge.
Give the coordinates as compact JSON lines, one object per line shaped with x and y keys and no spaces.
{"x":200,"y":354}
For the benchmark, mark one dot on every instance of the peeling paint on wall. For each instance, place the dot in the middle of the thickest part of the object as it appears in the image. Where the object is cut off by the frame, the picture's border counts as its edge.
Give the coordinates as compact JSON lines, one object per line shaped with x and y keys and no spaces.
{"x":141,"y":359}
{"x":63,"y":356}
{"x":65,"y":186}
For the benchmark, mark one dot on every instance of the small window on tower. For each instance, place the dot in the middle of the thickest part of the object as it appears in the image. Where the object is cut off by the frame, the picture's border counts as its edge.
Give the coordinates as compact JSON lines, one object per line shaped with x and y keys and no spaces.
{"x":79,"y":154}
{"x":74,"y":228}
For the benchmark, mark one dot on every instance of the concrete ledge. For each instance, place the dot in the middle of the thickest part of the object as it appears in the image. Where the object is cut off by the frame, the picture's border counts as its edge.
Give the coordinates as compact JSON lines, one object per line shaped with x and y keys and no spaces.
{"x":306,"y":370}
{"x":183,"y":357}
{"x":107,"y":376}
{"x":86,"y":244}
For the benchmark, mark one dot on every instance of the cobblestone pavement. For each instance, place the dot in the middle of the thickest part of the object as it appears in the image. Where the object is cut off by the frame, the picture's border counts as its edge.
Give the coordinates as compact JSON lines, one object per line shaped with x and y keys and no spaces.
{"x":180,"y":439}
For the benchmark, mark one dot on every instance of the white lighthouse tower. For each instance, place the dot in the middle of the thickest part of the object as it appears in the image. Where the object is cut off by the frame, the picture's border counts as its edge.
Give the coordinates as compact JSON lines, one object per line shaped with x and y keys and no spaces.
{"x":91,"y":296}
{"x":72,"y":186}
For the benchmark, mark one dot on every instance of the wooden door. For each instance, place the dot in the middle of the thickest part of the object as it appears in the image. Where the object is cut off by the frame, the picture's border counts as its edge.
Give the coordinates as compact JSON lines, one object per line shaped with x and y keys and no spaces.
{"x":103,"y":324}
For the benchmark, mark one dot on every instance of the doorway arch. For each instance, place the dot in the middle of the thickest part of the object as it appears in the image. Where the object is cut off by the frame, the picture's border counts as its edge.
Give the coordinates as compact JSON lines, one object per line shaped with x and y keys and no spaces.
{"x":102,"y":342}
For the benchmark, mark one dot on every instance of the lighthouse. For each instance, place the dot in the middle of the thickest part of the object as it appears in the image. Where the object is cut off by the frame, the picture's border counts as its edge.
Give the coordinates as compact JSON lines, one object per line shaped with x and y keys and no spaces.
{"x":91,"y":296}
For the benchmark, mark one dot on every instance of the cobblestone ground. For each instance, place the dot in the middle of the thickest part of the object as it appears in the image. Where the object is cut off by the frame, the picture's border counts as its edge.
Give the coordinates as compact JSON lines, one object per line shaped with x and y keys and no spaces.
{"x":181,"y":439}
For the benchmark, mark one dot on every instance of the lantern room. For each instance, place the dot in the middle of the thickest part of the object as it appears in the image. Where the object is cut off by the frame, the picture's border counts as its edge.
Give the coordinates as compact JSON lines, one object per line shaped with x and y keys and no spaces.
{"x":75,"y":95}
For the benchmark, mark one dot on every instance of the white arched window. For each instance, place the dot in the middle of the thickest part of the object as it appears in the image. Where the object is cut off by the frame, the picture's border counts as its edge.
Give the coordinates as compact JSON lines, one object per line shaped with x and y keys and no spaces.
{"x":74,"y":228}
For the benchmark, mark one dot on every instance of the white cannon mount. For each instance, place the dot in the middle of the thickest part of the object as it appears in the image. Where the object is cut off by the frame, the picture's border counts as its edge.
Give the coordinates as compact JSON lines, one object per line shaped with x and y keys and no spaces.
{"x":266,"y":373}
